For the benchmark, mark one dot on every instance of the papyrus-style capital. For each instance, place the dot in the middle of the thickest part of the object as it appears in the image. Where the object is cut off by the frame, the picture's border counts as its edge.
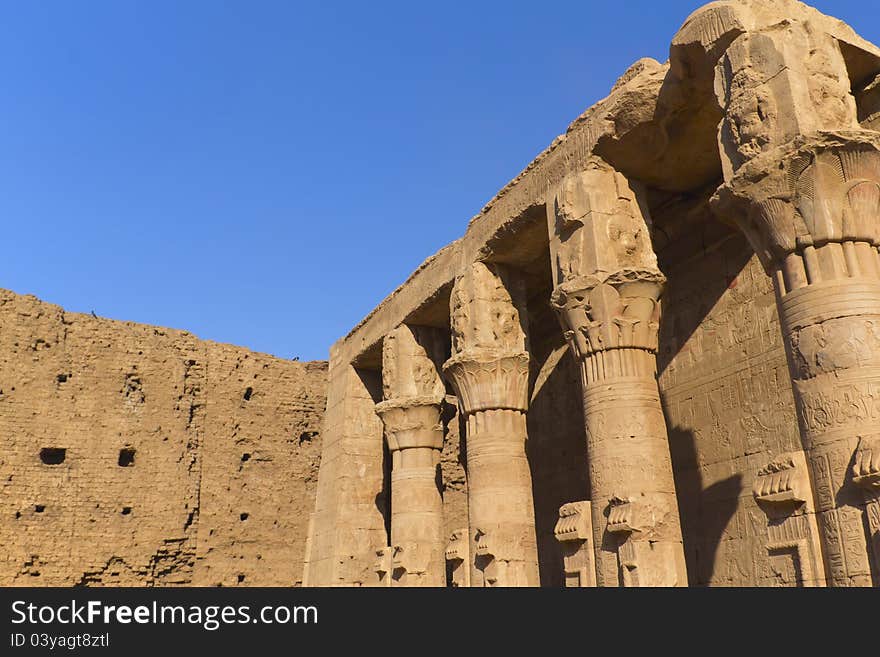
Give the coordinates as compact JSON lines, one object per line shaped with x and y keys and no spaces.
{"x":815,"y":190}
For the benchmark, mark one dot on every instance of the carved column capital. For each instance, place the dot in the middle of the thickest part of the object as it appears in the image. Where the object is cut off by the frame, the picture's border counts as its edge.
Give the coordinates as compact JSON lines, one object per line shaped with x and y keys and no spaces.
{"x":411,"y":422}
{"x":489,"y":381}
{"x":814,"y":190}
{"x":489,"y":366}
{"x":618,"y":311}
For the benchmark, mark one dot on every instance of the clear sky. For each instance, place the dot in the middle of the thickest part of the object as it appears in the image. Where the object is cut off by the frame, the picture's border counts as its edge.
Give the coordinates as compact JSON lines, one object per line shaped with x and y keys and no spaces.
{"x":264,"y":173}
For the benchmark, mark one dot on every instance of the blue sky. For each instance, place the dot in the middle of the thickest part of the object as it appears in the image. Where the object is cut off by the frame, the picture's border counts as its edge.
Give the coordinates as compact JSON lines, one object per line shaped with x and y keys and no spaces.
{"x":264,"y":173}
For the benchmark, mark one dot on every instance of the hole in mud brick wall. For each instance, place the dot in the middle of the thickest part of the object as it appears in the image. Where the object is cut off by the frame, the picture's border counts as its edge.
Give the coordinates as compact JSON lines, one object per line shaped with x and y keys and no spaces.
{"x":126,"y":510}
{"x":306,"y":436}
{"x":245,"y":457}
{"x":240,"y":579}
{"x":126,"y":457}
{"x":247,"y":393}
{"x":244,"y":516}
{"x":39,"y":508}
{"x":53,"y":455}
{"x":62,"y":378}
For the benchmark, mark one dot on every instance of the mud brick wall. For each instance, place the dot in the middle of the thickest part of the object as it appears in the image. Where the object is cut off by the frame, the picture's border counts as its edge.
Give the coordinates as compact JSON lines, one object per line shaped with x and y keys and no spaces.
{"x":138,"y":455}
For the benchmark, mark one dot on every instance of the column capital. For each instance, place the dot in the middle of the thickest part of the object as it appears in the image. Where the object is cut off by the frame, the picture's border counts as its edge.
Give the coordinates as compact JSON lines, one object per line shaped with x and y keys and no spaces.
{"x":814,"y":190}
{"x":490,"y":380}
{"x":607,"y":283}
{"x":618,"y":311}
{"x":411,"y":422}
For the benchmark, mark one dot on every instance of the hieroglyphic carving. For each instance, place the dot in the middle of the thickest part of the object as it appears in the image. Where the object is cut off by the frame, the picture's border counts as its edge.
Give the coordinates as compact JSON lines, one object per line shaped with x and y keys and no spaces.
{"x":607,"y":296}
{"x":574,"y":530}
{"x":489,"y":370}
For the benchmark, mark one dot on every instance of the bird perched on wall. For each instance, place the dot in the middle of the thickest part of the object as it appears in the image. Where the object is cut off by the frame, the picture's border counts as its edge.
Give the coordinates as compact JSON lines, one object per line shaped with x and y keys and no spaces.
{"x":94,"y":315}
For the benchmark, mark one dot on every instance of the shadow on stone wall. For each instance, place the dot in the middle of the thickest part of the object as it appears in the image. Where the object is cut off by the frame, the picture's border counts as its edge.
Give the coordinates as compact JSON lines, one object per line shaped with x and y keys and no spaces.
{"x":702,"y":531}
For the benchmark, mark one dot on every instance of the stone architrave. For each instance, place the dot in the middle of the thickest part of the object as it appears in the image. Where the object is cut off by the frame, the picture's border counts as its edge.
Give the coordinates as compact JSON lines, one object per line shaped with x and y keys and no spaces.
{"x":489,"y":370}
{"x":413,"y":393}
{"x":607,"y":291}
{"x":574,"y":531}
{"x":802,"y":182}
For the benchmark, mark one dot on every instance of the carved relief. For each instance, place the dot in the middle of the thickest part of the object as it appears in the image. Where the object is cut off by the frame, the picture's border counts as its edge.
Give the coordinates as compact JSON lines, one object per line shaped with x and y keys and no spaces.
{"x":487,"y":311}
{"x":501,"y":559}
{"x":866,"y":475}
{"x":782,"y":490}
{"x":574,"y":530}
{"x":641,"y":560}
{"x":458,"y":558}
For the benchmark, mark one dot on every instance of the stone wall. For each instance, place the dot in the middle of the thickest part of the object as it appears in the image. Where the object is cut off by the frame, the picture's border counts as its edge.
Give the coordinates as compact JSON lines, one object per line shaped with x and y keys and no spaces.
{"x":729,"y":409}
{"x":137,"y":455}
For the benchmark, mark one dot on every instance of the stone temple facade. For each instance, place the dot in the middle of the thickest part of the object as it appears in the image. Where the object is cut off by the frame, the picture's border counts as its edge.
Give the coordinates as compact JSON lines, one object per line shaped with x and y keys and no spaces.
{"x":653,"y":359}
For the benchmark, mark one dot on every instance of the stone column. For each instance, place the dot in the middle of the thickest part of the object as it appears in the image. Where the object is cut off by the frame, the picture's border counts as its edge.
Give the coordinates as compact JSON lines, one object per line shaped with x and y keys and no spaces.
{"x":802,"y":181}
{"x":489,"y":370}
{"x":413,"y":392}
{"x":607,"y":295}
